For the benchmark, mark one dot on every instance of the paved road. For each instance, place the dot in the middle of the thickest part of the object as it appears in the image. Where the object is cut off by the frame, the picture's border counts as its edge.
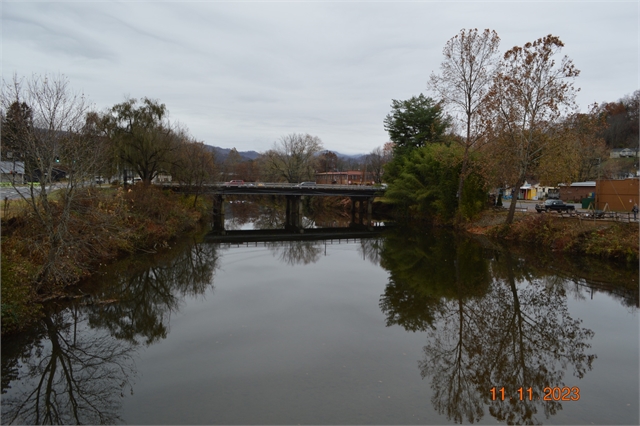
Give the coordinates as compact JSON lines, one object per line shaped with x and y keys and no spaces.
{"x":530,"y":205}
{"x":14,"y":193}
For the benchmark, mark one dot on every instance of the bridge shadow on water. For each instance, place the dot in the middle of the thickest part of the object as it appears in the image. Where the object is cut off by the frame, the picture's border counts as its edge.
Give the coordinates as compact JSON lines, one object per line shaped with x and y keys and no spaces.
{"x":293,"y":234}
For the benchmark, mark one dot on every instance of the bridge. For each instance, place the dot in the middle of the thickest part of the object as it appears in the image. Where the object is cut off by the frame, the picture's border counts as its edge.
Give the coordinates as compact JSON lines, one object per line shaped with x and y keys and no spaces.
{"x":361,"y":199}
{"x":358,"y":191}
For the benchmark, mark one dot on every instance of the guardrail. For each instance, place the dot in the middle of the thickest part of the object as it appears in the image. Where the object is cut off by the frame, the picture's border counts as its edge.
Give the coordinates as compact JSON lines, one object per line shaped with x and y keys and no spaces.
{"x":601,"y":215}
{"x":276,"y":185}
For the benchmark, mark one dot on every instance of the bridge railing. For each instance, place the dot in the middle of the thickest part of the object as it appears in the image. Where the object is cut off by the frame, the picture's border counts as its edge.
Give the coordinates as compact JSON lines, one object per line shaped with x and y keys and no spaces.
{"x":283,"y":187}
{"x":294,"y":185}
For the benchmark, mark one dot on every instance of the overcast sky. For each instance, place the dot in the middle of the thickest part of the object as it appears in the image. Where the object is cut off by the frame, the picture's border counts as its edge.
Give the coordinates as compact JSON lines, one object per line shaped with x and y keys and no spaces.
{"x":244,"y":74}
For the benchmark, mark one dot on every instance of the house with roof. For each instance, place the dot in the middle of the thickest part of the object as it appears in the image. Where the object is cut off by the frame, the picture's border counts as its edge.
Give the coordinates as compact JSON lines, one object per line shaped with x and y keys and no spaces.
{"x":12,"y":171}
{"x":577,"y":191}
{"x":350,"y":177}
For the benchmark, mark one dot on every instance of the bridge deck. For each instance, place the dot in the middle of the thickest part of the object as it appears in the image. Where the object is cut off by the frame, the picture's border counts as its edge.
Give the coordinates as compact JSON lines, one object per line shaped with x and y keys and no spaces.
{"x":284,"y":189}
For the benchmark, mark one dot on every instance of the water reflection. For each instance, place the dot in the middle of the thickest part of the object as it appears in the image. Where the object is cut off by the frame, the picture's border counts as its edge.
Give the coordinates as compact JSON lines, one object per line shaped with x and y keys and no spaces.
{"x":67,"y":375}
{"x":371,"y":249}
{"x":311,"y":251}
{"x":490,"y":320}
{"x":425,"y":270}
{"x":296,"y":252}
{"x":269,"y":212}
{"x":581,"y":275}
{"x":79,"y":362}
{"x":147,"y":295}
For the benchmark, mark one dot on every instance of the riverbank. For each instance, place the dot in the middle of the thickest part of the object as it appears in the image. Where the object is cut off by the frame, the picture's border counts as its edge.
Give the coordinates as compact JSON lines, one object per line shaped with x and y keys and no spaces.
{"x":106,"y":224}
{"x":117,"y":223}
{"x":610,"y":240}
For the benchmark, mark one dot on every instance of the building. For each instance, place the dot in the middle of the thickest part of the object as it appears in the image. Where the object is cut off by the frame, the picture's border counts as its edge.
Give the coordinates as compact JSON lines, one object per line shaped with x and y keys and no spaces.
{"x":12,"y":171}
{"x":577,"y":191}
{"x":529,"y":191}
{"x":624,"y":153}
{"x":617,"y":195}
{"x":350,"y":177}
{"x":162,"y":178}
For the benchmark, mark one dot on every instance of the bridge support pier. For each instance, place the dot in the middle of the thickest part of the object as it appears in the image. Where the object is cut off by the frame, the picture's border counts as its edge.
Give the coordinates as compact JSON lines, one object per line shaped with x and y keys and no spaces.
{"x":358,"y":208}
{"x":294,"y":213}
{"x":218,"y":214}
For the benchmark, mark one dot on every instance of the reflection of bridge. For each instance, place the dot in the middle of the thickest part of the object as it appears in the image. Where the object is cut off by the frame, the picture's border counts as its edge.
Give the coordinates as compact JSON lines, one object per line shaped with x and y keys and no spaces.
{"x":274,"y":235}
{"x":361,"y":199}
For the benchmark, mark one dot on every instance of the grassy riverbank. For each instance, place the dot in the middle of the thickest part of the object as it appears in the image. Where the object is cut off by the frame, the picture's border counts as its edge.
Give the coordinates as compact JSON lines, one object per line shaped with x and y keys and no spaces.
{"x":617,"y":241}
{"x":106,"y":224}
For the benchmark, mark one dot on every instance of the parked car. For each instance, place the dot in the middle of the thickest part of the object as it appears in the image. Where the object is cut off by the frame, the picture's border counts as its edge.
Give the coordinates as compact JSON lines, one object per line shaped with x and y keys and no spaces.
{"x":99,"y":180}
{"x":554,"y":206}
{"x":235,"y":182}
{"x":306,"y":185}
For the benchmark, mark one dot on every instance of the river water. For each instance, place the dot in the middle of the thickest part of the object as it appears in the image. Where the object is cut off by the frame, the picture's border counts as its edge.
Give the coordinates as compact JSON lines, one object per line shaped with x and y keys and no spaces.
{"x":412,"y":326}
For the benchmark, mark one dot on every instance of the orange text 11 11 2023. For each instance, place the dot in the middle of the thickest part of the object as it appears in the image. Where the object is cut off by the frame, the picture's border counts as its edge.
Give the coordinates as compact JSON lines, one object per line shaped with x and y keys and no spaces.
{"x":550,"y":394}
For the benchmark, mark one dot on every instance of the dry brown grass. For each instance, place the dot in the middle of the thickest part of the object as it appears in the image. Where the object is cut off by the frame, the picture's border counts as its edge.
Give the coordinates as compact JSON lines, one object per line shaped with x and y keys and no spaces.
{"x":605,"y":239}
{"x":102,"y":226}
{"x":12,"y":208}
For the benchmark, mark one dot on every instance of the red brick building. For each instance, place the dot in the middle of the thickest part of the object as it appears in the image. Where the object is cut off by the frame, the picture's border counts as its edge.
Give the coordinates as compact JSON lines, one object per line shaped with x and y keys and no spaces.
{"x":350,"y":177}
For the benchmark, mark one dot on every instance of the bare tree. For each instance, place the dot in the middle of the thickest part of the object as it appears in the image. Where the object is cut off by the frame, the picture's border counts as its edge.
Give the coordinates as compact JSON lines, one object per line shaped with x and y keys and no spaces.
{"x":467,"y":73}
{"x":230,"y":165}
{"x":528,"y":96}
{"x":291,"y":158}
{"x":578,"y":152}
{"x":376,"y":161}
{"x":328,"y":162}
{"x":194,"y":165}
{"x":55,"y":140}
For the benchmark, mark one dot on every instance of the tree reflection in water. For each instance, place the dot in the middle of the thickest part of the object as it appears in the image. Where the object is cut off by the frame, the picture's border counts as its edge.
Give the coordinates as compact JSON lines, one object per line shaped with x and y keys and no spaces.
{"x":67,"y":374}
{"x":240,"y":212}
{"x":371,"y":248}
{"x":296,"y":252}
{"x":147,"y":295}
{"x":490,"y":323}
{"x":306,"y":252}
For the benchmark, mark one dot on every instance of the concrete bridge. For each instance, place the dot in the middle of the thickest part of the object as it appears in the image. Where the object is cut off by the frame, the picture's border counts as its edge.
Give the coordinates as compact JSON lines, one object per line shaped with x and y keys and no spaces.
{"x":361,"y":199}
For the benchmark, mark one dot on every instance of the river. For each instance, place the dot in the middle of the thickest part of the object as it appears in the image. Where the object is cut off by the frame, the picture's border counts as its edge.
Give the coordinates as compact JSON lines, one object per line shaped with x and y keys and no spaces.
{"x":411,"y":326}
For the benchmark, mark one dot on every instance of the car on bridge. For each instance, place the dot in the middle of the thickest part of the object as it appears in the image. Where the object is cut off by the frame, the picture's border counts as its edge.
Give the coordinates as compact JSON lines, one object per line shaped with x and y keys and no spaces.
{"x":306,"y":185}
{"x":235,"y":182}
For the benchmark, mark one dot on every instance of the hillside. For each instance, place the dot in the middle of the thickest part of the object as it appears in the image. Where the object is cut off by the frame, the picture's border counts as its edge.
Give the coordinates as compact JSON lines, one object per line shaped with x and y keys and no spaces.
{"x":222,"y":153}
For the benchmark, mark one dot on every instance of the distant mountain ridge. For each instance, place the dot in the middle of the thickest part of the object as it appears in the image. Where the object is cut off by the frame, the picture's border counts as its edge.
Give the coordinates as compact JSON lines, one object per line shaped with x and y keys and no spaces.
{"x":223,"y":153}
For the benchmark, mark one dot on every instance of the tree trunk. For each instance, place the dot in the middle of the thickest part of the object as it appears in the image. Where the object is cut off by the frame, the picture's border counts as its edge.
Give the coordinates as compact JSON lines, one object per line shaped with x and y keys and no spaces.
{"x":514,"y":201}
{"x":463,"y":175}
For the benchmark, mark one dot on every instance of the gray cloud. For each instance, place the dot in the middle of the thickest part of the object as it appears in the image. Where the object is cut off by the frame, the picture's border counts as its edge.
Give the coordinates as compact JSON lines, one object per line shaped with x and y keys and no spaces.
{"x":244,"y":74}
